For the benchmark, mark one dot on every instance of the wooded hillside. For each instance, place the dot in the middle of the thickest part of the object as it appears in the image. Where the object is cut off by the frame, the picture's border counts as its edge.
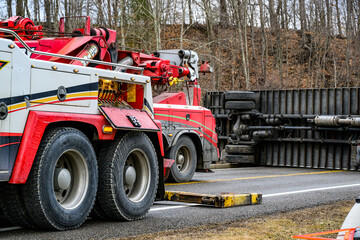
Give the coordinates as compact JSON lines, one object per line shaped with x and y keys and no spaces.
{"x":251,"y":44}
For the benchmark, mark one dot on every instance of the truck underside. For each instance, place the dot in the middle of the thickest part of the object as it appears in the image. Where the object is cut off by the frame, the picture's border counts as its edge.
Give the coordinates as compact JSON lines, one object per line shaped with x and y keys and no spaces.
{"x":310,"y":128}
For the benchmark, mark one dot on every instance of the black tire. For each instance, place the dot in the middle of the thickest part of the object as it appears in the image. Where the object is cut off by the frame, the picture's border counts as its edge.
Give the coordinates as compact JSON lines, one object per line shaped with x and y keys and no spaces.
{"x":13,"y":208}
{"x":4,"y":221}
{"x":98,"y":213}
{"x":239,"y":95}
{"x":184,"y":154}
{"x":240,"y":158}
{"x":123,"y":195}
{"x":240,"y":149}
{"x":240,"y":105}
{"x":60,"y":191}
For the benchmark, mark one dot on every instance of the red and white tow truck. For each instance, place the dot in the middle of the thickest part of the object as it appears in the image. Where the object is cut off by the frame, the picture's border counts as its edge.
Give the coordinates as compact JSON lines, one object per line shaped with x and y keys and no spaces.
{"x":79,"y":130}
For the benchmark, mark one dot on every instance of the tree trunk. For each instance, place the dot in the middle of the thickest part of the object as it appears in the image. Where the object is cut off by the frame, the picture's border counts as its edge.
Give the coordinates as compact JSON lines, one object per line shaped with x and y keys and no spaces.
{"x":56,"y":14}
{"x":109,"y":13}
{"x":122,"y":24}
{"x":294,"y":14}
{"x":272,"y":14}
{"x":211,"y":40}
{"x":237,"y":7}
{"x":182,"y":24}
{"x":302,"y":18}
{"x":9,"y":8}
{"x":47,"y":5}
{"x":338,"y":18}
{"x":190,"y":12}
{"x":279,"y":44}
{"x":349,"y":31}
{"x":329,"y":17}
{"x":28,"y":14}
{"x":157,"y":25}
{"x":285,"y":14}
{"x":263,"y":42}
{"x":244,"y":10}
{"x":20,"y":11}
{"x":224,"y":17}
{"x":253,"y":58}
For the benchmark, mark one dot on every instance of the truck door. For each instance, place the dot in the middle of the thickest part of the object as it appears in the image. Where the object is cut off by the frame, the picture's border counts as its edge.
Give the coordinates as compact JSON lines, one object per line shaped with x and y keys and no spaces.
{"x":5,"y":101}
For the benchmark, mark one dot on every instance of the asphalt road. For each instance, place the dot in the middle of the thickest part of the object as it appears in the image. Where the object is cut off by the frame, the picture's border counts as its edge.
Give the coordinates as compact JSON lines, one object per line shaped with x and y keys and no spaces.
{"x":283,"y":189}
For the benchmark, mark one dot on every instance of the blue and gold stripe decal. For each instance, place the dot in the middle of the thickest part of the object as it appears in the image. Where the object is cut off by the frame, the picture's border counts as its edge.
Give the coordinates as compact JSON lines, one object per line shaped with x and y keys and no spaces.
{"x":80,"y":91}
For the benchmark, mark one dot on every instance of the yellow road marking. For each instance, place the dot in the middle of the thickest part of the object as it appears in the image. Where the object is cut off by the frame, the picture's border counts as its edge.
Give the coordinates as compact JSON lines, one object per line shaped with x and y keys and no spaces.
{"x":257,"y":177}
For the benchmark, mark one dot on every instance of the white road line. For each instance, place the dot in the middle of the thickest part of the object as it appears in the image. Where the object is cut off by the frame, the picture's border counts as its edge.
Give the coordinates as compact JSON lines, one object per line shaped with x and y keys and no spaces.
{"x":310,"y":190}
{"x":174,"y":207}
{"x":235,"y":168}
{"x":9,"y":229}
{"x":266,"y":196}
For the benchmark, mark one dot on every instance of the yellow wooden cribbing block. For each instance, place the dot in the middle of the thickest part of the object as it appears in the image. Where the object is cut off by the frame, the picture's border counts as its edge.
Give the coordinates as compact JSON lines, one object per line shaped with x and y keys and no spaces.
{"x":223,"y":200}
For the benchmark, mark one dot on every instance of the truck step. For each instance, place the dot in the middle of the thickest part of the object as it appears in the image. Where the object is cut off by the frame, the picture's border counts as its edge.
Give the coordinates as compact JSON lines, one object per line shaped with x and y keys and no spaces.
{"x":223,"y":200}
{"x":239,"y":158}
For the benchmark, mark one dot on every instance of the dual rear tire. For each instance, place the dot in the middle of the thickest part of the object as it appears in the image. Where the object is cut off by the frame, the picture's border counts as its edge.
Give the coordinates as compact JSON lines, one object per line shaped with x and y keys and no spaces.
{"x":128,"y":178}
{"x":61,"y":189}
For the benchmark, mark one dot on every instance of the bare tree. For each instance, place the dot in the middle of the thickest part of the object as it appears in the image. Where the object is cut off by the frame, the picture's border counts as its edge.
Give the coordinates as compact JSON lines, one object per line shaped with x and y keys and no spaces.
{"x":20,"y":10}
{"x":122,"y":24}
{"x":224,"y":17}
{"x":190,"y":12}
{"x":264,"y":54}
{"x":157,"y":24}
{"x":9,"y":7}
{"x":47,"y":6}
{"x":302,"y":18}
{"x":239,"y":7}
{"x":338,"y":18}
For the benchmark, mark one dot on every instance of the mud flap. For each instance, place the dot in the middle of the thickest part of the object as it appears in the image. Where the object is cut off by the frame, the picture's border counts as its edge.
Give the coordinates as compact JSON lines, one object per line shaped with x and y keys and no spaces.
{"x":167,"y":166}
{"x":130,"y":119}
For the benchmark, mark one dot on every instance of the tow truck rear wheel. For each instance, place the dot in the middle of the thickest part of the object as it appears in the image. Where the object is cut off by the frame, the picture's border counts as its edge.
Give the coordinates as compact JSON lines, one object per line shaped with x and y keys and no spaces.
{"x":184,"y":154}
{"x":128,"y":177}
{"x":4,"y":221}
{"x":12,"y":208}
{"x":61,"y":187}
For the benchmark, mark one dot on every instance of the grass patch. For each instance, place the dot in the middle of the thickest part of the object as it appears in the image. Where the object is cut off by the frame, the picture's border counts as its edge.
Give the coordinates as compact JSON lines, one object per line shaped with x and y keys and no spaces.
{"x":278,"y":226}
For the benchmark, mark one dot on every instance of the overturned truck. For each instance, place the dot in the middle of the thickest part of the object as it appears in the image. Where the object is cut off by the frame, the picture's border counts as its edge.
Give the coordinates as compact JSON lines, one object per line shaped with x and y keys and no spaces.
{"x":309,"y":128}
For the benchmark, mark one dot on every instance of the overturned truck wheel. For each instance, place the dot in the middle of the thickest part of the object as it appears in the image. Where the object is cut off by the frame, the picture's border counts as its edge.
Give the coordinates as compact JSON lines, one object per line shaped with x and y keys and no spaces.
{"x":61,"y":187}
{"x":240,"y":149}
{"x":246,"y":159}
{"x":243,"y":154}
{"x":239,"y":95}
{"x":240,"y":105}
{"x":128,"y":178}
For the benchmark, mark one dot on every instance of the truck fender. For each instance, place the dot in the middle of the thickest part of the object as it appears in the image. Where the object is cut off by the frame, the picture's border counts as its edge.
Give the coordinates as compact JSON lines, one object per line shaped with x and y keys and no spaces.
{"x":35,"y":127}
{"x":186,"y":132}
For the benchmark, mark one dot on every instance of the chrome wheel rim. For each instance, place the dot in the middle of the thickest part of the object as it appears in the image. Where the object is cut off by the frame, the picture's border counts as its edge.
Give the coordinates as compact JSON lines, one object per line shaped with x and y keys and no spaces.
{"x":183,"y":159}
{"x":70,"y":179}
{"x":136,"y":175}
